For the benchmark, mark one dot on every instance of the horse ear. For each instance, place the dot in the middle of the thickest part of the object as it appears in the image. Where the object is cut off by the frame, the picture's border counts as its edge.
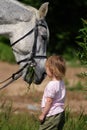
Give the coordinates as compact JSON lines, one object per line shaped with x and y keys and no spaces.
{"x":43,"y":10}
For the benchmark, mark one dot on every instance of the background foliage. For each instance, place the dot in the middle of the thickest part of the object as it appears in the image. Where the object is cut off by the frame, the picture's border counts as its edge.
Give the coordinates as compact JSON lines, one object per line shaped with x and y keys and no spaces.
{"x":82,"y":42}
{"x":82,"y":51}
{"x":64,"y":21}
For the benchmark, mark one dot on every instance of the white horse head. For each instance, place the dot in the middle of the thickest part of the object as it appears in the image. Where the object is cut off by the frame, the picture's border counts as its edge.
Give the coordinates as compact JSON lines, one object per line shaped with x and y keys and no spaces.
{"x":28,"y":33}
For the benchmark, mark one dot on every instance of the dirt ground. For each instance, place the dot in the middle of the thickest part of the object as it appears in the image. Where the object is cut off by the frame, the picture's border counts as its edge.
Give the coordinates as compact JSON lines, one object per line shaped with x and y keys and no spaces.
{"x":24,"y":100}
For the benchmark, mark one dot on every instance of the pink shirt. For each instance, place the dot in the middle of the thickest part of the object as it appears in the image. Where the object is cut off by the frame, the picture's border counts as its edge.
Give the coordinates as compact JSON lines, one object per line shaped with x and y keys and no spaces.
{"x":55,"y":90}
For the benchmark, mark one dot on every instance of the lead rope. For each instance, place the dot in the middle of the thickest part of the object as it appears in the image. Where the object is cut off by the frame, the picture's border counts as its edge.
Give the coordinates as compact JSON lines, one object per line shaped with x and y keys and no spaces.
{"x":18,"y":74}
{"x":9,"y":82}
{"x":14,"y":77}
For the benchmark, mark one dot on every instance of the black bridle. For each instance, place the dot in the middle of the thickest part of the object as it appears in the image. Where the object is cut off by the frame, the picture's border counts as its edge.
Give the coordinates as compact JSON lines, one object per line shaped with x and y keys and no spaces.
{"x":33,"y":53}
{"x":30,"y":62}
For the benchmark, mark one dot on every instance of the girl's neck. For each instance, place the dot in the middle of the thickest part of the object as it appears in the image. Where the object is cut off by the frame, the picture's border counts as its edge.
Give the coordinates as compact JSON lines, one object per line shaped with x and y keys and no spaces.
{"x":55,"y":79}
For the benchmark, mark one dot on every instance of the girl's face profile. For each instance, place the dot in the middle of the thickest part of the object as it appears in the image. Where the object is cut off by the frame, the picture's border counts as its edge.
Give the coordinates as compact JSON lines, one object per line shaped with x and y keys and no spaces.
{"x":48,"y":72}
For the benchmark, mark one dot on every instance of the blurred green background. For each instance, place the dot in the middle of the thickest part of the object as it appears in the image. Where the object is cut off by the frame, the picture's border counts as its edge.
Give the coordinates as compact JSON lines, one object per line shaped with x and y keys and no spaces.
{"x":64,"y":22}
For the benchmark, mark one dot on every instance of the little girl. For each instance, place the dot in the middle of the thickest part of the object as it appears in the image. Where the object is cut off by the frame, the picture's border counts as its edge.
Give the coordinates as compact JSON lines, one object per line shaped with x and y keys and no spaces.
{"x":53,"y":116}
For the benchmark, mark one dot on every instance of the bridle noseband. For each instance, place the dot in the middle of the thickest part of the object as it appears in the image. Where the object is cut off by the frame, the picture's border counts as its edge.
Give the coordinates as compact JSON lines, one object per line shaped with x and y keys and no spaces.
{"x":30,"y":61}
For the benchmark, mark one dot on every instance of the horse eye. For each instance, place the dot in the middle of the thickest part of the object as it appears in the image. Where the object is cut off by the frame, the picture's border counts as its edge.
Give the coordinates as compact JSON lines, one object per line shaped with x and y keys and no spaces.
{"x":44,"y":37}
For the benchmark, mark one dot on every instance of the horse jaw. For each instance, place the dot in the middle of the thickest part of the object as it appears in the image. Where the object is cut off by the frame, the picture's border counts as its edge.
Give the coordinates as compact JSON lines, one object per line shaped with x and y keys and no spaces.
{"x":35,"y":74}
{"x":40,"y":72}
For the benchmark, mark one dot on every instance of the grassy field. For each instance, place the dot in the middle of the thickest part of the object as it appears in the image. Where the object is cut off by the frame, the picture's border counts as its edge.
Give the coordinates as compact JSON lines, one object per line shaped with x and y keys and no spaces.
{"x":6,"y":53}
{"x":26,"y":121}
{"x":12,"y":120}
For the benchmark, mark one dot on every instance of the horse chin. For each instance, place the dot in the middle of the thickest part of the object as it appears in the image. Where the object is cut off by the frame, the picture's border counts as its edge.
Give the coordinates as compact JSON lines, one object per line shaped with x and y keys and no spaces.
{"x":39,"y":81}
{"x":33,"y":78}
{"x":36,"y":81}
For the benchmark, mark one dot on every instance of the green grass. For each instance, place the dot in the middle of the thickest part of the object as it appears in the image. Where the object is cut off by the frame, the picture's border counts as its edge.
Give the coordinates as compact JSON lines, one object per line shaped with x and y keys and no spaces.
{"x":77,"y":87}
{"x":26,"y":121}
{"x":6,"y":53}
{"x":75,"y":122}
{"x":10,"y":120}
{"x":21,"y":121}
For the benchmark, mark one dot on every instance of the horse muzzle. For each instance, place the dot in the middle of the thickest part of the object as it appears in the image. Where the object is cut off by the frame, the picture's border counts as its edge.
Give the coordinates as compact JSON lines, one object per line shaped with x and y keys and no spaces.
{"x":38,"y":80}
{"x":31,"y":76}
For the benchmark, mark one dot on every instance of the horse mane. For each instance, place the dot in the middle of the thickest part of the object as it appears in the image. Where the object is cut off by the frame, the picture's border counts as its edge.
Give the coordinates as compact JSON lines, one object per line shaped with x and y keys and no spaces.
{"x":12,"y":11}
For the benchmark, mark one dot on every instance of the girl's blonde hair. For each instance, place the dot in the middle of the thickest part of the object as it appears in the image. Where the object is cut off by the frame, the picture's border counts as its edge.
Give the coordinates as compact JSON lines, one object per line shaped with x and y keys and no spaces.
{"x":56,"y":65}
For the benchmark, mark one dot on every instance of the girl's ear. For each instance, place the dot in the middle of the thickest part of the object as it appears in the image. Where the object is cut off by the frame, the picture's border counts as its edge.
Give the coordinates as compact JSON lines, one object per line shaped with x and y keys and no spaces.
{"x":43,"y":10}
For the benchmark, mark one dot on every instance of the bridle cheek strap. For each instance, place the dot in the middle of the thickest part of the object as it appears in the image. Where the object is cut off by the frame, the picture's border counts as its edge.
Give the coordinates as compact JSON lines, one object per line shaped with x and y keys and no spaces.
{"x":33,"y":53}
